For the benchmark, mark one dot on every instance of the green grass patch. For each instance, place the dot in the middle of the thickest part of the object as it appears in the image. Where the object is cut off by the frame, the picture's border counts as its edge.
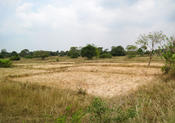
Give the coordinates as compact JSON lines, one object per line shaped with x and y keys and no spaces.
{"x":5,"y":63}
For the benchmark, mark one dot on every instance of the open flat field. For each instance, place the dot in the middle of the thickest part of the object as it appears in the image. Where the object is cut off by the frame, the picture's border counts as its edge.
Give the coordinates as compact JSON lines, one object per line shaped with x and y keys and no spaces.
{"x":104,"y":79}
{"x":36,"y":90}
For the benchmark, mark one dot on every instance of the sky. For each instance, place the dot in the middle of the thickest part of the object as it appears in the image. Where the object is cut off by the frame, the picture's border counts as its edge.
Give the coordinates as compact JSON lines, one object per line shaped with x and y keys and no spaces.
{"x":59,"y":24}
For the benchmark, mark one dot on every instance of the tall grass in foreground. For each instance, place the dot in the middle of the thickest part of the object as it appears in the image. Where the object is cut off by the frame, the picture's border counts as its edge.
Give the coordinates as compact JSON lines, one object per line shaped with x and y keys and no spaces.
{"x":154,"y":103}
{"x":24,"y":102}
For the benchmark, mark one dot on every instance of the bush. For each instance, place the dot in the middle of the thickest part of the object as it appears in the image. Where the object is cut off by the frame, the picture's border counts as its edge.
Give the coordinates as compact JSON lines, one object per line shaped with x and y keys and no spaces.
{"x":74,"y":52}
{"x":71,"y":117}
{"x":106,"y":55}
{"x":41,"y":54}
{"x":117,"y":51}
{"x":89,"y":51}
{"x":99,"y":110}
{"x":15,"y":58}
{"x":131,"y":54}
{"x":169,"y":56}
{"x":5,"y":63}
{"x":140,"y":52}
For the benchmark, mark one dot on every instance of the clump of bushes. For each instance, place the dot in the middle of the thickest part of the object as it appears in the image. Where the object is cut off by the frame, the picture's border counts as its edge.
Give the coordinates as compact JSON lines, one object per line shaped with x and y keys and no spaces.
{"x":5,"y":63}
{"x":131,"y":54}
{"x":89,"y":51}
{"x":106,"y":55}
{"x":74,"y":52}
{"x":15,"y":58}
{"x":169,"y":57}
{"x":98,"y":112}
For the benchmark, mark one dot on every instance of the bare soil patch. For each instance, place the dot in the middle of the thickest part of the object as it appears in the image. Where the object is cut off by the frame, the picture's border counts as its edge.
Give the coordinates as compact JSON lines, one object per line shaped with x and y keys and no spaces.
{"x":101,"y":79}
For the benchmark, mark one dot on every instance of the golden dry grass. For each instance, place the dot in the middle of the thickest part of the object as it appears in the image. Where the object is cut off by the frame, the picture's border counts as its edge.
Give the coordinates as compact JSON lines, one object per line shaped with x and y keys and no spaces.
{"x":39,"y":91}
{"x":100,"y":79}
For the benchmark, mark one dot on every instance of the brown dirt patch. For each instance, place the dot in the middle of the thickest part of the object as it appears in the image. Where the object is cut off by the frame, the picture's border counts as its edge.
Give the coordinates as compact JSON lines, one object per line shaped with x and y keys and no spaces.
{"x":104,"y":79}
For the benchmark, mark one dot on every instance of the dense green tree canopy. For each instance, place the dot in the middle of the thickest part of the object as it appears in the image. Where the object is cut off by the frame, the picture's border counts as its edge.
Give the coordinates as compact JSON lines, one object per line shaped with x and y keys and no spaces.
{"x":118,"y":51}
{"x":74,"y":52}
{"x":89,"y":51}
{"x":24,"y":52}
{"x":41,"y":53}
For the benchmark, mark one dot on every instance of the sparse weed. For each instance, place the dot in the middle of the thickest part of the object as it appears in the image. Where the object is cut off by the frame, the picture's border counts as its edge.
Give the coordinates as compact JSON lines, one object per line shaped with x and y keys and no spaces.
{"x":82,"y":91}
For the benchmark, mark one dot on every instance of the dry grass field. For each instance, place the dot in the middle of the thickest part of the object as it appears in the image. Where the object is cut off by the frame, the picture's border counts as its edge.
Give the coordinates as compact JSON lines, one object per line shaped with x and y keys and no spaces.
{"x":48,"y":87}
{"x":100,"y":79}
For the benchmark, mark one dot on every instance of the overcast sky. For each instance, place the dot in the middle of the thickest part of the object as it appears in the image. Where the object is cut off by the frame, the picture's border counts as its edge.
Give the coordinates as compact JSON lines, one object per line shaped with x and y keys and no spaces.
{"x":60,"y":24}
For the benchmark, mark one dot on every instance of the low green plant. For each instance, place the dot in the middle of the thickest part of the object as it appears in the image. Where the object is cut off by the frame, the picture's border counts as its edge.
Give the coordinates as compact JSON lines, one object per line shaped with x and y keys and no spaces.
{"x":106,"y":55}
{"x":168,"y":54}
{"x":123,"y":115}
{"x":99,"y":111}
{"x":5,"y":63}
{"x":72,"y":117}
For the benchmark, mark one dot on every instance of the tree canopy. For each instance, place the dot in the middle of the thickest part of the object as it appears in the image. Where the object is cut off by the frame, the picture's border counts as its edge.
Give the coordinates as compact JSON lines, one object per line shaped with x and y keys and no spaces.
{"x":89,"y":51}
{"x":118,"y":51}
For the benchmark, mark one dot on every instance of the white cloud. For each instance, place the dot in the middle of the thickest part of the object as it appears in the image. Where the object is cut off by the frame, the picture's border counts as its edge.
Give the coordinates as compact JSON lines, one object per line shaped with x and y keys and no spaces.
{"x":78,"y":22}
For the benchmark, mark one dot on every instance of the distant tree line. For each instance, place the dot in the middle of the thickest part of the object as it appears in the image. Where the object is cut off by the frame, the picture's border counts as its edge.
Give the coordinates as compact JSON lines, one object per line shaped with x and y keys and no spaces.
{"x":150,"y":44}
{"x":88,"y":51}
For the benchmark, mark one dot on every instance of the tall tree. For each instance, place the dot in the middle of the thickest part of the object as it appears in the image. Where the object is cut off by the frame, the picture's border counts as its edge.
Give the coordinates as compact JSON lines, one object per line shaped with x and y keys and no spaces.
{"x":74,"y":52}
{"x":117,"y":51}
{"x":89,"y":51}
{"x":24,"y":52}
{"x":151,"y":41}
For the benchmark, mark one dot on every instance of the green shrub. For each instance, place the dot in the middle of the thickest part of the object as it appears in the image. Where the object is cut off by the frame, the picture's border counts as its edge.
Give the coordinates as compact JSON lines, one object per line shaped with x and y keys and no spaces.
{"x":168,"y":54}
{"x":124,"y":115}
{"x":71,"y":117}
{"x":118,"y":51}
{"x":5,"y":63}
{"x":131,"y":54}
{"x":99,"y":111}
{"x":106,"y":55}
{"x":74,"y":52}
{"x":89,"y":51}
{"x":15,"y":58}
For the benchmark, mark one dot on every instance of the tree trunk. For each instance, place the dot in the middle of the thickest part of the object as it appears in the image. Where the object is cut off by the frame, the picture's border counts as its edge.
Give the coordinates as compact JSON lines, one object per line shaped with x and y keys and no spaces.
{"x":150,"y":58}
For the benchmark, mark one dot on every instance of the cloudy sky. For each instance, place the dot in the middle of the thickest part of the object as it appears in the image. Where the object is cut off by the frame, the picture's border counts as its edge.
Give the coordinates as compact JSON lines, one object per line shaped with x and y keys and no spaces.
{"x":60,"y":24}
